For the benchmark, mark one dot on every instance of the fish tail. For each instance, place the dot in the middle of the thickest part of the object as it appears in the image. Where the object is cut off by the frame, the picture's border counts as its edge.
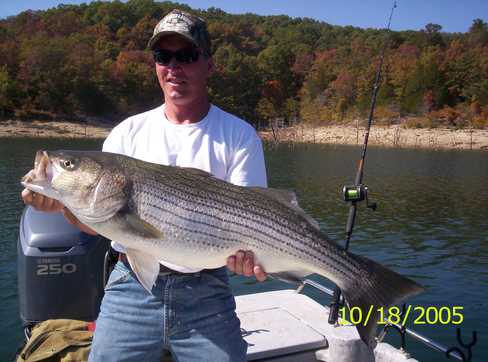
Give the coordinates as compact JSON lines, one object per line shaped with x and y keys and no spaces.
{"x":376,"y":287}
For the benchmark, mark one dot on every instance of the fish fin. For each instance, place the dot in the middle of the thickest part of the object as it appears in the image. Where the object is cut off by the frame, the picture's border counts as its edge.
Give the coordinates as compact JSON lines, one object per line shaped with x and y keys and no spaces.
{"x":197,"y":172}
{"x":377,"y":287}
{"x":287,"y":198}
{"x":291,"y":276}
{"x":144,"y":266}
{"x":142,"y":227}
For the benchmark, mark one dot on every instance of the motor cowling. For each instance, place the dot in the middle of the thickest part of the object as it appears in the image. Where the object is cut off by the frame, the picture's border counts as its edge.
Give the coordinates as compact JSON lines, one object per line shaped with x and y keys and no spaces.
{"x":60,"y":269}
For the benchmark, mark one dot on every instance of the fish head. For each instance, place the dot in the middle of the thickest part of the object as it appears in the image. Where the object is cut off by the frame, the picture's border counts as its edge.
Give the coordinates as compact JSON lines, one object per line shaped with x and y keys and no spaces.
{"x":81,"y":180}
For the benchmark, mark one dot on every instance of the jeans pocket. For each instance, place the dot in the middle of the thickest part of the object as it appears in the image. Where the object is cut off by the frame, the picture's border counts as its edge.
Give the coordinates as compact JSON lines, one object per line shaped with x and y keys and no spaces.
{"x":217,"y":279}
{"x":119,"y":275}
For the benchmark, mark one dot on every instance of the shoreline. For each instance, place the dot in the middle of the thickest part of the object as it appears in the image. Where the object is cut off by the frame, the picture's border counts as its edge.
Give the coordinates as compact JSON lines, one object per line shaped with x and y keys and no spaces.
{"x":53,"y":129}
{"x":392,"y":136}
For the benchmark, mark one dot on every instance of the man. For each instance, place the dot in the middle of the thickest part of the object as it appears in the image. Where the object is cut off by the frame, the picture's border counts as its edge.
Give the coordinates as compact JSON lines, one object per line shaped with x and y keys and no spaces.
{"x":189,"y":312}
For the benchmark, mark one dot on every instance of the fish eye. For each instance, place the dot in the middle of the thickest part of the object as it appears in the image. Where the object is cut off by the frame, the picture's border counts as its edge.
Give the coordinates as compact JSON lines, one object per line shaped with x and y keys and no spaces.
{"x":68,"y":164}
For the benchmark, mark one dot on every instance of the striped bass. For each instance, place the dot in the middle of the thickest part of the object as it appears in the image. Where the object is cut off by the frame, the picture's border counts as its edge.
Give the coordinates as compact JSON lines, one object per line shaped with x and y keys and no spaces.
{"x":187,"y":217}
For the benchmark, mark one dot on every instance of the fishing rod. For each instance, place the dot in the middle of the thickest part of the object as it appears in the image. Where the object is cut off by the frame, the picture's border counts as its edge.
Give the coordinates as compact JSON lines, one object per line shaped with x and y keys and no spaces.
{"x":359,"y":192}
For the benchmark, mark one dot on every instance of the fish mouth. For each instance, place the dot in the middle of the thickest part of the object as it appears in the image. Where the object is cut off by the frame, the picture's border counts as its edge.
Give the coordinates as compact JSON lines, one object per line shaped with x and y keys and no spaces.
{"x":39,"y":179}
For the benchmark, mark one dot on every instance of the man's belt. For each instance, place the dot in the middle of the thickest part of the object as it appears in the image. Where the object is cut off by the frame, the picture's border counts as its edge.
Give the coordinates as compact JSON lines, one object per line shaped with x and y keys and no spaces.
{"x":163,"y":270}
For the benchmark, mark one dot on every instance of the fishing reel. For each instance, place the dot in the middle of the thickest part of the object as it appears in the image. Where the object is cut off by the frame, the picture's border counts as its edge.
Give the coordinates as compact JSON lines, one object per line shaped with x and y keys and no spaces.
{"x":356,"y":194}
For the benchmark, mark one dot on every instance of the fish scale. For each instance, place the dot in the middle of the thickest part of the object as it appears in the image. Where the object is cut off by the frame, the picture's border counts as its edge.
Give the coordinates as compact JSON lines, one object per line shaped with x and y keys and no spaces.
{"x":156,"y":194}
{"x":188,"y":217}
{"x":262,"y":217}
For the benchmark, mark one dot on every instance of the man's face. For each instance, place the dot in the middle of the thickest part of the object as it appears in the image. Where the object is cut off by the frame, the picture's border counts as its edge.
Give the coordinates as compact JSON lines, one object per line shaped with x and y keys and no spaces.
{"x":182,"y":83}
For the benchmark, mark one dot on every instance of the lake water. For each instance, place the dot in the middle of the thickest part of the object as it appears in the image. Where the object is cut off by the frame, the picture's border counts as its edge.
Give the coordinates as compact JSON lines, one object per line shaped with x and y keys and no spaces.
{"x":431,"y":225}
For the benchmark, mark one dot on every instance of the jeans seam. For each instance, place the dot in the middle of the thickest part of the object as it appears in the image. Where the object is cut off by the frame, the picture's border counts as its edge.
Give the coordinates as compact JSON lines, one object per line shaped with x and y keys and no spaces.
{"x":167,"y":308}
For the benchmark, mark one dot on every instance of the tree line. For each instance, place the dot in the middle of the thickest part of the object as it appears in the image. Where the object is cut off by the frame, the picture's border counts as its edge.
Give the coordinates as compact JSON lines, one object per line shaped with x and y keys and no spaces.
{"x":91,"y":61}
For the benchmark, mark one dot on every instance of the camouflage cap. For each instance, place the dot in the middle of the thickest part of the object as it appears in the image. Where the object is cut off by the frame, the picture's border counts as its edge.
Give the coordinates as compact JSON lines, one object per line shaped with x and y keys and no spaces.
{"x":189,"y":26}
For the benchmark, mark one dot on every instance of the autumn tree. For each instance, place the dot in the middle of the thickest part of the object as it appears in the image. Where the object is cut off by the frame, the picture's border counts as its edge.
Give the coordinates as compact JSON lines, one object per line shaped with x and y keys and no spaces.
{"x":92,"y":60}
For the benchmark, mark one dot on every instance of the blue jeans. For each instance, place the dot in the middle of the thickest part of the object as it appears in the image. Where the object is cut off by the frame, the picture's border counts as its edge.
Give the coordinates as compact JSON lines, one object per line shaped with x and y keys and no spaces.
{"x":193,"y":316}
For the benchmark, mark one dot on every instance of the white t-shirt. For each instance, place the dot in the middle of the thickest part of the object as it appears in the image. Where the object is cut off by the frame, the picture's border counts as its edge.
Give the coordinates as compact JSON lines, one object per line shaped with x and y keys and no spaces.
{"x":221,"y":144}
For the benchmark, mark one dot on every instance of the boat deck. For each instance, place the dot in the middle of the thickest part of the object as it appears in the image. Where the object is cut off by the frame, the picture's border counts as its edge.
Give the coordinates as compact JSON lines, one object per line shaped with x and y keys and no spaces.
{"x":285,"y":326}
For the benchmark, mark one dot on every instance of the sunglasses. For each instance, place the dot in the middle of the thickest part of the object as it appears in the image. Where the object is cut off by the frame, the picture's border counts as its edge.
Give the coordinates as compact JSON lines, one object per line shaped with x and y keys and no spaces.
{"x":182,"y":56}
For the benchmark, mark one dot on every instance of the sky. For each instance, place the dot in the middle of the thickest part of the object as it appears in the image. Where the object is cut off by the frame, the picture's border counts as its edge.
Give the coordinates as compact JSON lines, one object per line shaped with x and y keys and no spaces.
{"x":452,"y":15}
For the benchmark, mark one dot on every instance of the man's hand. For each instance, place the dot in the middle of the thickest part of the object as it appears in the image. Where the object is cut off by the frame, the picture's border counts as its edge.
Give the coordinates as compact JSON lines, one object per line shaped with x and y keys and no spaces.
{"x":242,"y":263}
{"x":41,"y":202}
{"x":46,"y":204}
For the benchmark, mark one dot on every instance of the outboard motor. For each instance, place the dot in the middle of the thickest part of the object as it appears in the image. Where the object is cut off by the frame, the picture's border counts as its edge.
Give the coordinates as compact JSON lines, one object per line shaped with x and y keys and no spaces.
{"x":60,"y":269}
